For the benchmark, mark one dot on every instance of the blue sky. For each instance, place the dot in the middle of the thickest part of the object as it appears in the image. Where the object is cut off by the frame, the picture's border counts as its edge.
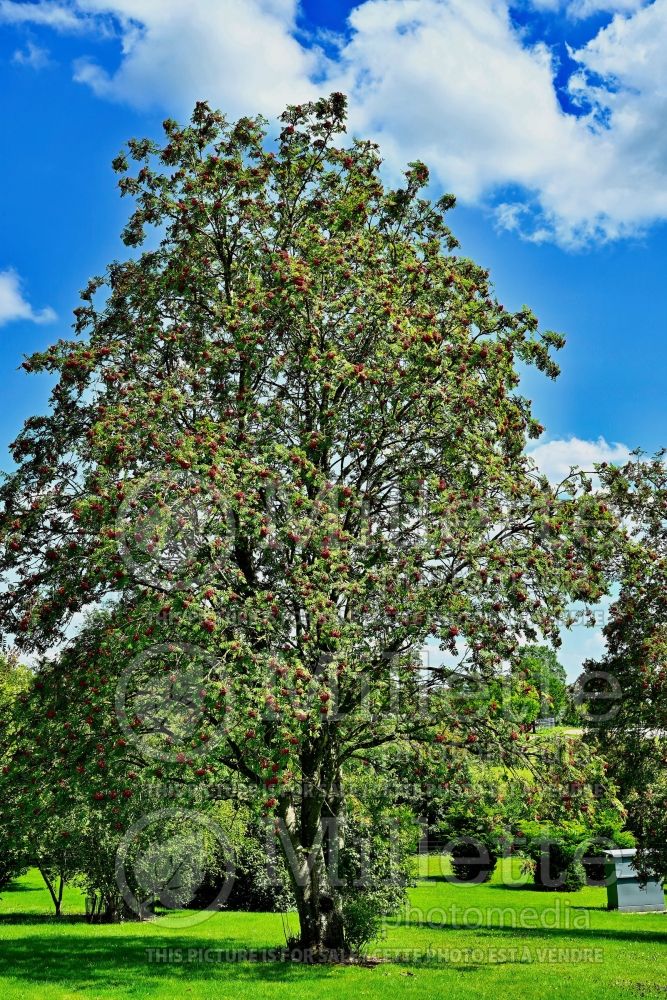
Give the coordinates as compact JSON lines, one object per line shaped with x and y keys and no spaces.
{"x":545,"y":118}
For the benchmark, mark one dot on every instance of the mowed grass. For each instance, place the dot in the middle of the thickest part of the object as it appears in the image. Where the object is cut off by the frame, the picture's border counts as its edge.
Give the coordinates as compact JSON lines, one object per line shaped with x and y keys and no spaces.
{"x":480,"y":941}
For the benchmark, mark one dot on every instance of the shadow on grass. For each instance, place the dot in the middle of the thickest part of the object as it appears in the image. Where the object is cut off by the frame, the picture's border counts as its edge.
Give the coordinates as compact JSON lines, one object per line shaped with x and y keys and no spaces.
{"x":117,"y":962}
{"x":105,"y":960}
{"x":42,"y":918}
{"x":624,"y":913}
{"x":114,"y":962}
{"x":507,"y":887}
{"x":540,"y":890}
{"x":635,"y":934}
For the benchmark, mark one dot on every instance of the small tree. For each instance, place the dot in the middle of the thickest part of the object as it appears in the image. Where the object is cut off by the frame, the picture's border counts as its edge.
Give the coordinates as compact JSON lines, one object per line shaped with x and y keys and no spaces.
{"x":292,"y":430}
{"x":15,"y":679}
{"x":539,"y":673}
{"x":625,"y":692}
{"x":55,"y":857}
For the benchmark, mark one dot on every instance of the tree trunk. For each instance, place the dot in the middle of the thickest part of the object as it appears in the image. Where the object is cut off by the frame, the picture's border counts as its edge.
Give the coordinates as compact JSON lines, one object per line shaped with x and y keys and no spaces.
{"x":92,"y":903}
{"x":56,"y":897}
{"x":322,"y":931}
{"x":112,"y":913}
{"x":310,"y":850}
{"x":103,"y":909}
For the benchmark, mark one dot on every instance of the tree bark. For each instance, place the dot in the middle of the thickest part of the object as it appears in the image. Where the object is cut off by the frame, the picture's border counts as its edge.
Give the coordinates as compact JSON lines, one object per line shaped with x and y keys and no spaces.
{"x":56,"y":898}
{"x":103,"y":909}
{"x":322,"y":930}
{"x":310,"y":853}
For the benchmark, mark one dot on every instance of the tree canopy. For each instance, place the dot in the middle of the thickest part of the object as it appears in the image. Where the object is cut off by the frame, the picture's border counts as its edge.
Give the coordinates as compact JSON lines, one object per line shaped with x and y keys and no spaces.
{"x":286,"y":447}
{"x":626,"y":690}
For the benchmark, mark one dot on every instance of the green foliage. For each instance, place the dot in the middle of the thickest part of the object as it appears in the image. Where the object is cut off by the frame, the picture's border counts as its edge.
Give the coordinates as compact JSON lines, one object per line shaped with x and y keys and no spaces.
{"x":14,"y":681}
{"x":14,"y":677}
{"x":260,"y":878}
{"x":13,"y":861}
{"x":574,"y":876}
{"x":261,"y":881}
{"x":625,"y":692}
{"x":376,"y":857}
{"x":363,"y":920}
{"x":564,"y":857}
{"x":537,"y":670}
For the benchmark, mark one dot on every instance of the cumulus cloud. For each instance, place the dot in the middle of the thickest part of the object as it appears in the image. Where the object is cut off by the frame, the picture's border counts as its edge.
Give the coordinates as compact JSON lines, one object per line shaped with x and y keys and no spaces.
{"x":585,"y":8}
{"x":13,"y":304}
{"x":627,"y":52}
{"x":455,"y":82}
{"x":555,"y":458}
{"x":33,"y":56}
{"x":240,"y":54}
{"x":48,"y":13}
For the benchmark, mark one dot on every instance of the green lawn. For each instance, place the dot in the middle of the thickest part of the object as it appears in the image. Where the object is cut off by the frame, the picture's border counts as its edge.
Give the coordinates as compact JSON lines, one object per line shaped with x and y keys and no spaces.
{"x":478,"y":942}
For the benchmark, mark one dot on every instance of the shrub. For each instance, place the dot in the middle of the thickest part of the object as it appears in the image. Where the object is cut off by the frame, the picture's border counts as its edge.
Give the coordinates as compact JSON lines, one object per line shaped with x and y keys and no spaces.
{"x":474,"y":860}
{"x":593,"y":860}
{"x":363,"y":921}
{"x":556,"y":853}
{"x":12,"y":865}
{"x":375,"y":862}
{"x":260,"y":883}
{"x":574,"y":877}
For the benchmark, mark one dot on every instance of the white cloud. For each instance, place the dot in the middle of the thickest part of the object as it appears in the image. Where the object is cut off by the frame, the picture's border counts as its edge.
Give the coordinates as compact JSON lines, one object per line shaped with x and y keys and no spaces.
{"x":555,"y":458}
{"x":628,"y":51}
{"x":33,"y":56}
{"x":628,"y":56}
{"x":239,"y":54}
{"x":454,"y":82}
{"x":56,"y":15}
{"x":451,"y":81}
{"x":14,"y":306}
{"x":585,"y":8}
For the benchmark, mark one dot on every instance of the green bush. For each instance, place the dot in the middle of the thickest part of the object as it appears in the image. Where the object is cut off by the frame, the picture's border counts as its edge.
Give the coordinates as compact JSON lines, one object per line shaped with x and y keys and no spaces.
{"x":260,"y":883}
{"x":375,"y":861}
{"x":556,"y":855}
{"x":363,"y":921}
{"x":574,"y":877}
{"x":607,"y":837}
{"x":465,"y":868}
{"x":12,"y":865}
{"x":570,"y":855}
